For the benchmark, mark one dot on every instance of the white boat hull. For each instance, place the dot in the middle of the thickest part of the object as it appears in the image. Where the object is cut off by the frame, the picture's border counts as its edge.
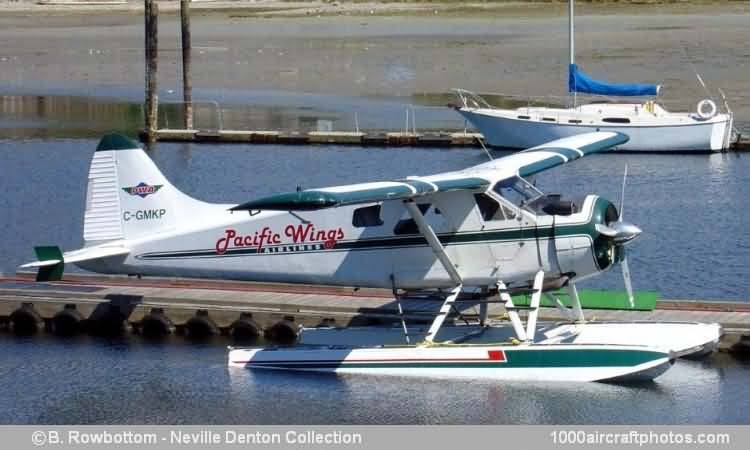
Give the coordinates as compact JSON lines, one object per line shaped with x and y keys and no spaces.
{"x":557,"y":362}
{"x":503,"y":128}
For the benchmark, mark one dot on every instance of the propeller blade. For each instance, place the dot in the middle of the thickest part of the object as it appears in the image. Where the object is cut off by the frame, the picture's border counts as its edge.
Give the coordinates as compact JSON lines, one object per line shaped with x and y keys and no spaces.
{"x":626,"y":279}
{"x":621,"y":232}
{"x":622,"y":193}
{"x":605,"y":230}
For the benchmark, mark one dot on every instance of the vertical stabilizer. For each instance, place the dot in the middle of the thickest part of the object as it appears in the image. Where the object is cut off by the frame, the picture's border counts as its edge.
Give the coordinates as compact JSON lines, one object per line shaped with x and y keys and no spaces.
{"x":128,"y":197}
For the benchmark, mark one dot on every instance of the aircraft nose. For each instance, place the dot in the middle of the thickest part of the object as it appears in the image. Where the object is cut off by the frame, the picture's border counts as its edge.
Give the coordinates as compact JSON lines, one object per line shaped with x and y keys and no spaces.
{"x":625,"y":232}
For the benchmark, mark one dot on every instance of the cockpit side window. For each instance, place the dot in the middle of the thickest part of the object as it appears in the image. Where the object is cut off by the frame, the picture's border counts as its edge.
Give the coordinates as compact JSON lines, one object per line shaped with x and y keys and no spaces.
{"x":517,"y":190}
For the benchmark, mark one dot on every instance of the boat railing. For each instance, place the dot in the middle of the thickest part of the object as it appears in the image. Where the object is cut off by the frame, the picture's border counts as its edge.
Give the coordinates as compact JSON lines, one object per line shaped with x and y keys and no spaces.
{"x":471,"y":99}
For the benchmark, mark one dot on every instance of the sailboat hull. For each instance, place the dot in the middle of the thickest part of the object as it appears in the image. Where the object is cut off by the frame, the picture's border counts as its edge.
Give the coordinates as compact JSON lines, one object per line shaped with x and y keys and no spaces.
{"x":517,"y":129}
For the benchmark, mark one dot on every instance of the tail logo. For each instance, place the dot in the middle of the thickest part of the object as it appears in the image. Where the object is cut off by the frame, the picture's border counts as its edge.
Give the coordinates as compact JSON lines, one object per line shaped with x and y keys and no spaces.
{"x":142,"y":190}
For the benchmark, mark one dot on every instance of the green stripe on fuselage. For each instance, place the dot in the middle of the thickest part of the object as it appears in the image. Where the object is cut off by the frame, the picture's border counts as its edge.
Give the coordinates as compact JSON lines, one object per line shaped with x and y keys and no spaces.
{"x":414,"y":240}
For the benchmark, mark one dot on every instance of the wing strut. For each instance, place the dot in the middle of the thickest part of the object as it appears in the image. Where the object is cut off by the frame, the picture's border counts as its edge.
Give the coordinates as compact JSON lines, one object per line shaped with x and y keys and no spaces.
{"x":433,"y":240}
{"x":439,"y":250}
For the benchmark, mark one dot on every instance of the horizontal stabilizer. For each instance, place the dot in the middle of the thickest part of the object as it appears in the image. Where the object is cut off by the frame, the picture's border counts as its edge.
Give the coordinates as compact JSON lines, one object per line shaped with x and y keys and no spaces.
{"x":52,"y":261}
{"x":45,"y":263}
{"x":91,"y":253}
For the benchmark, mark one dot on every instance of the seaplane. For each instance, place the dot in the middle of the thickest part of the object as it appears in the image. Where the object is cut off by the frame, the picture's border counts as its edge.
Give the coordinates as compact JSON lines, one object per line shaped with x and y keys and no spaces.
{"x":486,"y":228}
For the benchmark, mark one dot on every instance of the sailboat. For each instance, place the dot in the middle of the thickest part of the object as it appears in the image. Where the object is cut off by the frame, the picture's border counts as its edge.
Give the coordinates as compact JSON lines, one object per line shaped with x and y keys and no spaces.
{"x":649,"y":125}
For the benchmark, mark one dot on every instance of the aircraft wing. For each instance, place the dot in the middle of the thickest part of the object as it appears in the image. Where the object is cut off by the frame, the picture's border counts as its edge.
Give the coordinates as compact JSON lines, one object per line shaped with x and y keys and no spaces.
{"x":330,"y":197}
{"x":477,"y":179}
{"x":551,"y":154}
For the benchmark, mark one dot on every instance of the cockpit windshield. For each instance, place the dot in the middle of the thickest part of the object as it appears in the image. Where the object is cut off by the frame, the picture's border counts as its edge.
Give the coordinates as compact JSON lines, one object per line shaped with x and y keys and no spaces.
{"x":518,"y":191}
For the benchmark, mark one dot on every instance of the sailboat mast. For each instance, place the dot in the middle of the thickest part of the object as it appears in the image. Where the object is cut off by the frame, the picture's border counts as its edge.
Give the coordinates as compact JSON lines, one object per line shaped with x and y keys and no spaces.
{"x":571,"y":41}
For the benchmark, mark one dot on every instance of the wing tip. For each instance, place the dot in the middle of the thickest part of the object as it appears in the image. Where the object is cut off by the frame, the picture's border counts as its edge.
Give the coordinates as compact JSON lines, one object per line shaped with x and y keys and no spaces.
{"x":622,"y":138}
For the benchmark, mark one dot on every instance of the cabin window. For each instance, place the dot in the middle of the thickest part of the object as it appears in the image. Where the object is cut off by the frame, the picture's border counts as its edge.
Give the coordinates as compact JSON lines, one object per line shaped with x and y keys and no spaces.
{"x":409,"y":226}
{"x":548,"y":119}
{"x":616,"y":120}
{"x":524,"y":117}
{"x":490,"y":209}
{"x":574,"y":121}
{"x":367,"y":217}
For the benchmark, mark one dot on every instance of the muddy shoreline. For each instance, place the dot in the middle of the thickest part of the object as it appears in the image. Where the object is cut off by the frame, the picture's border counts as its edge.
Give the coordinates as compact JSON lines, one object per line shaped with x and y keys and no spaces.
{"x":87,"y":10}
{"x":409,"y":56}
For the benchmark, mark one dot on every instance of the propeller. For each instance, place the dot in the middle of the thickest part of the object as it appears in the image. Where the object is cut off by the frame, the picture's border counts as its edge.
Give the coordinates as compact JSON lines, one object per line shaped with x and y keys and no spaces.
{"x":621,"y":233}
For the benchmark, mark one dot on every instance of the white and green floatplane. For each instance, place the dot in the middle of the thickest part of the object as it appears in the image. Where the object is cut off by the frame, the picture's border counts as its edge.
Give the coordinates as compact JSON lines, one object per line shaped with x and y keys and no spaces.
{"x":485,"y":227}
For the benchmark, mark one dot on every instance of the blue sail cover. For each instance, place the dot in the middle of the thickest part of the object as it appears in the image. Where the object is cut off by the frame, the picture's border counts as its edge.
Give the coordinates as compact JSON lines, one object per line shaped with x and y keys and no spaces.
{"x":580,"y":82}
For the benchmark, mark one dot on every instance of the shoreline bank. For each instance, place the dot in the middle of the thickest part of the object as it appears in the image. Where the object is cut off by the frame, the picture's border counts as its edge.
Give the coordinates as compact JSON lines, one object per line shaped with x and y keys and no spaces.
{"x":314,"y":9}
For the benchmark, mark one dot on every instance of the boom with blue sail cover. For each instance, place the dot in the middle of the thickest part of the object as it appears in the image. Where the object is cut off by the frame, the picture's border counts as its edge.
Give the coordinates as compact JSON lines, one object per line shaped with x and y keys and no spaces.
{"x":580,"y":82}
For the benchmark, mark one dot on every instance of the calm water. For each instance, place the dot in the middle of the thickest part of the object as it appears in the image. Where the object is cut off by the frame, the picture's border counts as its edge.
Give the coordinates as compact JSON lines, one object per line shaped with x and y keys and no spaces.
{"x":694,"y":211}
{"x":130,"y":382}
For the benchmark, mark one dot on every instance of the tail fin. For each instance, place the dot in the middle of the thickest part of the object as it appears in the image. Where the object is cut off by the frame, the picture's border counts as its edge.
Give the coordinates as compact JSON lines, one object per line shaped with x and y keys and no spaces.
{"x":127,"y":195}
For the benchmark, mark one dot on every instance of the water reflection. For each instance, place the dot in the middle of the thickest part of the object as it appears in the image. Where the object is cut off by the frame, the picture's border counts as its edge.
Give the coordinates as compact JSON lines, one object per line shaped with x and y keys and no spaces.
{"x":129,"y":380}
{"x":689,"y":393}
{"x":48,"y":116}
{"x":25,"y":116}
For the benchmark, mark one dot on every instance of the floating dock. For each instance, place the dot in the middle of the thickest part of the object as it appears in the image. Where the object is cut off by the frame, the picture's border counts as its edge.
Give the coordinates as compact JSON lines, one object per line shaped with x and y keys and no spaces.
{"x":431,"y":139}
{"x":439,"y":139}
{"x":242,"y":311}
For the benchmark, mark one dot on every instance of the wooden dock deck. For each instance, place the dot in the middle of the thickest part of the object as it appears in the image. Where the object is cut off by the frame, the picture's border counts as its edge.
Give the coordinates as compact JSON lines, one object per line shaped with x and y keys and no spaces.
{"x":114,"y":304}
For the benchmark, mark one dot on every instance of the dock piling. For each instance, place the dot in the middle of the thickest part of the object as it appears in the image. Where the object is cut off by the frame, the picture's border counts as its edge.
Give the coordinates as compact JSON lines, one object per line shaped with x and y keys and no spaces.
{"x":187,"y":77}
{"x":151,"y":11}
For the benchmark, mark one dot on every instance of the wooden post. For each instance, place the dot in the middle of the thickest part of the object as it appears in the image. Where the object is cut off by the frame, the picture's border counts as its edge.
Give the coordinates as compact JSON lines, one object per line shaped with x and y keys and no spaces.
{"x":187,"y":78}
{"x":151,"y":10}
